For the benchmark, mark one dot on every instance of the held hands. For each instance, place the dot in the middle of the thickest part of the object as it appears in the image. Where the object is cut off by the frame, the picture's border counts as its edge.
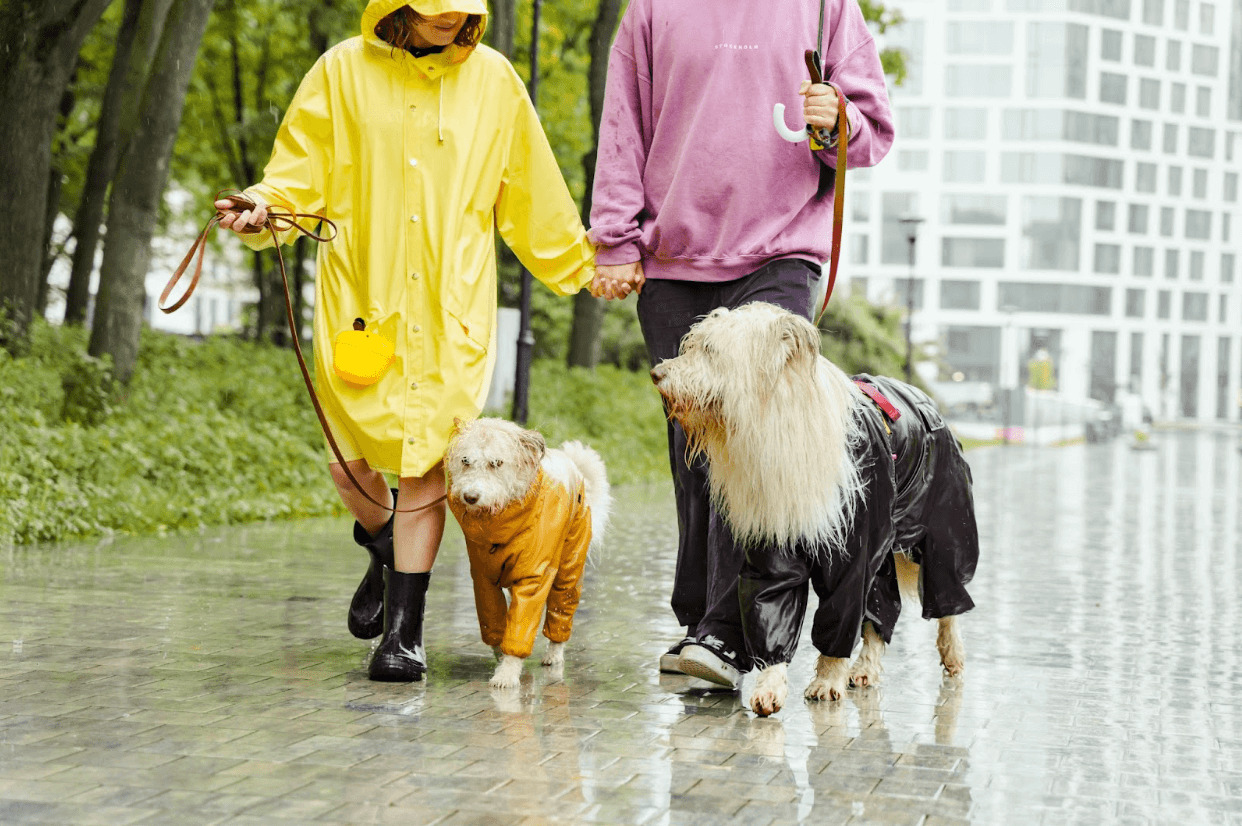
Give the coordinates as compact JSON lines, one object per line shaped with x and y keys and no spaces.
{"x":617,"y":280}
{"x":819,"y":109}
{"x":239,"y":222}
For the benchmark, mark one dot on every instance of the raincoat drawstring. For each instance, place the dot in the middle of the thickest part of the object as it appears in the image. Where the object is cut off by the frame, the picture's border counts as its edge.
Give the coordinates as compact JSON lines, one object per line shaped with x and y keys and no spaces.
{"x":440,"y":112}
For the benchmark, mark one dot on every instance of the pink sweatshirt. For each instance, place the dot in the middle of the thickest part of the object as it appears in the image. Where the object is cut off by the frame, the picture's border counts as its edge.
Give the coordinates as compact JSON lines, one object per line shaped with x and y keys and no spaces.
{"x":692,"y":178}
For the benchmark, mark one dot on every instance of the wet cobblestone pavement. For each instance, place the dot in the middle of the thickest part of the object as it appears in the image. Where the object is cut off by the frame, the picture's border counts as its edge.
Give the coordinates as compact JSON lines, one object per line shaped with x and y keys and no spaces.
{"x":210,"y":679}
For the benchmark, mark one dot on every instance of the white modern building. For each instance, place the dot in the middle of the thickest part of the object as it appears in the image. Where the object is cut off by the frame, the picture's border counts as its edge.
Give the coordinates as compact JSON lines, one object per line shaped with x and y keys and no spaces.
{"x":1076,"y":167}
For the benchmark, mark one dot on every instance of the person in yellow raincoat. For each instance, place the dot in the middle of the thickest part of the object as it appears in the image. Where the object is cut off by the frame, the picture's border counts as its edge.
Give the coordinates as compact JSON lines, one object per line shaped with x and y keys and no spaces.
{"x":416,"y":141}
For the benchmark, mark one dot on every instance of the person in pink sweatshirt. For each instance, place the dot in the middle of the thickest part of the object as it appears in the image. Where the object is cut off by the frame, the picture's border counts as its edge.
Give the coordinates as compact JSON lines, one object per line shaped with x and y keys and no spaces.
{"x":698,"y":203}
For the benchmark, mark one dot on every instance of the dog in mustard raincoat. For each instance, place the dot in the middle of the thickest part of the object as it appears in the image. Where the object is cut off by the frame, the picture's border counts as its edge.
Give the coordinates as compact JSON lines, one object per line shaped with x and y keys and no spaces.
{"x":530,"y":516}
{"x":419,"y":142}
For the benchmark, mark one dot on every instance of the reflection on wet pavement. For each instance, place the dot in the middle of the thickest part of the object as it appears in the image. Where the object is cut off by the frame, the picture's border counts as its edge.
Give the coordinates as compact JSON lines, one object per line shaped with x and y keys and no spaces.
{"x":210,"y":678}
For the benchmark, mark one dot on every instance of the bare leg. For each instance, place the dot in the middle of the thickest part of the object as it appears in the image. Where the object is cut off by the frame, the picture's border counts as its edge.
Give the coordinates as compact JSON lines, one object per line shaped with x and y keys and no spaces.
{"x":369,"y":515}
{"x":417,"y":535}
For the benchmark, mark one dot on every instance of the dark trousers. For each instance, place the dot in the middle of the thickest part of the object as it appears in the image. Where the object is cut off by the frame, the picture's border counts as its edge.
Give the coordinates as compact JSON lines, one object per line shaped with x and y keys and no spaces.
{"x":705,"y":596}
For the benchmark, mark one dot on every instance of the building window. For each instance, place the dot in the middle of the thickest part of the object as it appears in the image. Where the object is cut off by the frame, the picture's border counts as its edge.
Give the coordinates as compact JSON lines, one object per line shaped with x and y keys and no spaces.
{"x":1166,"y":221}
{"x":858,"y":249}
{"x":1149,"y":93}
{"x":1140,"y":134}
{"x":1198,"y":224}
{"x":1224,"y":346}
{"x":987,"y":210}
{"x":1222,"y":309}
{"x":1052,"y":232}
{"x":1164,"y":304}
{"x":1201,"y":143}
{"x":1108,"y":259}
{"x":1200,"y":184}
{"x":1073,"y":299}
{"x":909,"y":37}
{"x":1204,"y":60}
{"x":1173,"y":57}
{"x":962,"y":123}
{"x":894,"y":247}
{"x":964,"y":166}
{"x":1136,"y":362}
{"x":1144,"y":262}
{"x":1082,"y":127}
{"x":1224,"y":227}
{"x":1207,"y":19}
{"x":1112,"y":88}
{"x":1056,"y":61}
{"x":1090,"y":171}
{"x":1136,"y":303}
{"x":973,"y":252}
{"x":1231,"y":187}
{"x":913,"y":121}
{"x":1228,"y":261}
{"x":860,"y":207}
{"x":1190,"y":376}
{"x":1203,"y":102}
{"x":1110,"y":44}
{"x":1194,"y":307}
{"x":912,"y":160}
{"x":959,"y":295}
{"x":1175,"y":180}
{"x":978,"y":81}
{"x":1181,"y":14}
{"x":1153,"y":12}
{"x":1170,"y":138}
{"x":1137,"y":223}
{"x":1177,"y":97}
{"x":986,"y":37}
{"x":1032,"y":125}
{"x":1196,"y":265}
{"x":1144,"y":50}
{"x":1171,"y":258}
{"x":1105,"y":215}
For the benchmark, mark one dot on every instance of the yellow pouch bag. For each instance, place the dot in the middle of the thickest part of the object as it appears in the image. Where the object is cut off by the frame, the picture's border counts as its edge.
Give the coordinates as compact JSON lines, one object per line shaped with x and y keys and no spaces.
{"x":360,"y":356}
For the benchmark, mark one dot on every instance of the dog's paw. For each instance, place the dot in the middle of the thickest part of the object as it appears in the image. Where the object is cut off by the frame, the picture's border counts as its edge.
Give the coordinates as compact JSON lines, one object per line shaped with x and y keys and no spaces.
{"x":868,"y":667}
{"x":949,"y":644}
{"x":508,"y":673}
{"x":831,"y":676}
{"x":555,"y":654}
{"x":771,"y":689}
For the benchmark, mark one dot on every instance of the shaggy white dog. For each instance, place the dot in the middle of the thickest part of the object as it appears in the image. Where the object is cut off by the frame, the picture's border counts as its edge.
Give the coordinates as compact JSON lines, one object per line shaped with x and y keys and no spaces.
{"x":801,"y":469}
{"x":531,"y":516}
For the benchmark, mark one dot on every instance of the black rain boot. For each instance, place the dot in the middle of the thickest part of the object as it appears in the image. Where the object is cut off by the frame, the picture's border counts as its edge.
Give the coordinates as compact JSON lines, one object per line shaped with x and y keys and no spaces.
{"x":366,"y":610}
{"x":400,"y":657}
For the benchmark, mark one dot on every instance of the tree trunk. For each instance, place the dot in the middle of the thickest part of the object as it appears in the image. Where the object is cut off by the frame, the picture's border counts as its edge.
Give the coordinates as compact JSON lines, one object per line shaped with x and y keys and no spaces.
{"x":588,"y":321}
{"x":133,"y":209}
{"x":55,"y":182}
{"x":39,"y":43}
{"x":501,"y":26}
{"x":136,"y":40}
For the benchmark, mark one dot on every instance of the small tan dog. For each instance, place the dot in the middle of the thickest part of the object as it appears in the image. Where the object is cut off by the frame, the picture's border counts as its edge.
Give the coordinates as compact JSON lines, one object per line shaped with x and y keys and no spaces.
{"x":854,"y":486}
{"x":531,"y":515}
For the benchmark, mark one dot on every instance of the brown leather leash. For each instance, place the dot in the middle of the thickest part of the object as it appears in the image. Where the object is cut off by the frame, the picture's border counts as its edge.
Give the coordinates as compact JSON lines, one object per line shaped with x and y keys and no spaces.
{"x":838,"y":180}
{"x":278,"y":220}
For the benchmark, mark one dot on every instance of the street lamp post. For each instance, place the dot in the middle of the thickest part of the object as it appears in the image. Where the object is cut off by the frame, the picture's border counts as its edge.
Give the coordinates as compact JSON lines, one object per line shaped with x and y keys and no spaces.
{"x":911,"y":225}
{"x":526,"y":338}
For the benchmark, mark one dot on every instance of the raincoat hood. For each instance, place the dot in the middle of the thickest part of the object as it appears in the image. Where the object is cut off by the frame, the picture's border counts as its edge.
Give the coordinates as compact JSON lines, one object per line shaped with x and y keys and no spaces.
{"x":377,"y":10}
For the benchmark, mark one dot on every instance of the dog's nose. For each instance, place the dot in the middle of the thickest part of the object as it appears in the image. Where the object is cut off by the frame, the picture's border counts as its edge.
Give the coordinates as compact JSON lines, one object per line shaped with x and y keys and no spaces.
{"x":658,"y":372}
{"x":471,"y":498}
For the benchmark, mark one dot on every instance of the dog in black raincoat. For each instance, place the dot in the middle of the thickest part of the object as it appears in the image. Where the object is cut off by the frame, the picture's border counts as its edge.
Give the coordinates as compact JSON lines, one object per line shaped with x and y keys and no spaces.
{"x":851,"y":485}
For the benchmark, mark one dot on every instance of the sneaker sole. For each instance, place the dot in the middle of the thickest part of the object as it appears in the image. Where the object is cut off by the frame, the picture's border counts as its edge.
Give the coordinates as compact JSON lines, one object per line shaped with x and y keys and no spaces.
{"x":710,"y":671}
{"x":670,"y":663}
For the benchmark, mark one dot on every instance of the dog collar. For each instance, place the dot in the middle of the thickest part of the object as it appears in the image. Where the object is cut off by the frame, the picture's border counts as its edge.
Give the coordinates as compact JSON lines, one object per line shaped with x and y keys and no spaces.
{"x":881,"y":402}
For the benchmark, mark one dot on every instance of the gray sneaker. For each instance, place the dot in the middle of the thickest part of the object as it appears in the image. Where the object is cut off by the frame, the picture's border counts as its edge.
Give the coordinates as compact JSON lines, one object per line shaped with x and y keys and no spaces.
{"x":670,"y":660}
{"x":701,"y":662}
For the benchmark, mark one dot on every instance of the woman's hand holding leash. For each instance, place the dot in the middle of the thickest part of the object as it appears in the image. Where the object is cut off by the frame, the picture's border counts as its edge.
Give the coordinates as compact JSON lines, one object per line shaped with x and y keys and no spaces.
{"x":819,"y":107}
{"x":617,"y":280}
{"x":246,"y":222}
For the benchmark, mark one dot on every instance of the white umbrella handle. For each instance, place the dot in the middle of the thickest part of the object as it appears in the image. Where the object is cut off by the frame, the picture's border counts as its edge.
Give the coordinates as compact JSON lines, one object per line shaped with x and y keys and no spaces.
{"x":778,"y":120}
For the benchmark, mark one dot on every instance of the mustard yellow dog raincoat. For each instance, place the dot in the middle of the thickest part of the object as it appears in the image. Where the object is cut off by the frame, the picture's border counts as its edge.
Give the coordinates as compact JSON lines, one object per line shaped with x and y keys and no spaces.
{"x":536,"y":548}
{"x":417,"y":161}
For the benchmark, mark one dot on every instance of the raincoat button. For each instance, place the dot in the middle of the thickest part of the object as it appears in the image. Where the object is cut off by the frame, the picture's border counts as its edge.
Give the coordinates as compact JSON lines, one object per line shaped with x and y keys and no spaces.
{"x":411,"y":441}
{"x":416,"y":328}
{"x":415,"y":276}
{"x":413,"y":161}
{"x":413,"y":385}
{"x":414,"y":218}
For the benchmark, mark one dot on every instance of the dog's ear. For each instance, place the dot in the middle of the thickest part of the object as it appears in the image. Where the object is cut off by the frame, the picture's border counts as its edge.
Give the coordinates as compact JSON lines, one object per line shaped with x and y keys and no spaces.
{"x":799,"y":337}
{"x":533,"y":443}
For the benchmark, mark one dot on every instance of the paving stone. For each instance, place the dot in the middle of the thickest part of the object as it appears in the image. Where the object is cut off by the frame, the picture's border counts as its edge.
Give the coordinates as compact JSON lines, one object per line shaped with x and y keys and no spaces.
{"x":209,"y":678}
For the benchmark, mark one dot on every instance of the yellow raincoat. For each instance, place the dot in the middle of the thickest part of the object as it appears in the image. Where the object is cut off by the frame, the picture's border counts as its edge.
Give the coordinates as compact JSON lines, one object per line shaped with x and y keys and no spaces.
{"x":536,"y":548}
{"x":416,"y":160}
